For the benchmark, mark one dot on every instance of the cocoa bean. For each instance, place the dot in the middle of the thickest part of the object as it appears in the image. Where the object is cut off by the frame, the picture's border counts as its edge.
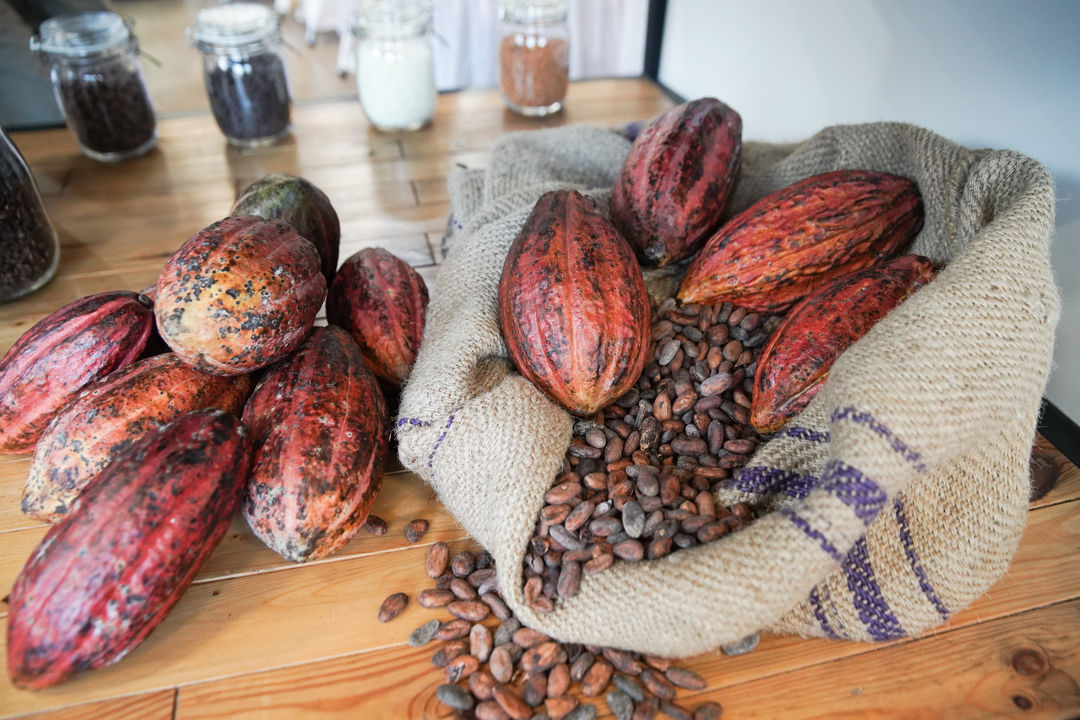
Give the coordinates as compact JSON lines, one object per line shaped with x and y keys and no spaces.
{"x":620,"y":705}
{"x":393,"y":606}
{"x":511,"y":703}
{"x":490,"y":710}
{"x":560,"y":707}
{"x":375,"y":525}
{"x":454,"y":696}
{"x":434,"y":598}
{"x":438,"y":558}
{"x":449,"y":651}
{"x":541,"y":658}
{"x":581,"y":665}
{"x":685,"y":678}
{"x":597,"y":678}
{"x":453,"y":630}
{"x":535,"y":691}
{"x":424,"y":634}
{"x":463,"y":590}
{"x":558,"y":680}
{"x":415,"y":530}
{"x":461,"y":667}
{"x":569,"y":579}
{"x":498,"y":607}
{"x":480,"y":642}
{"x":481,"y":683}
{"x":501,"y":663}
{"x":622,"y":661}
{"x":657,"y":684}
{"x":471,"y":610}
{"x":708,"y":711}
{"x":631,"y":550}
{"x":673,"y":711}
{"x":646,"y":710}
{"x":630,"y":686}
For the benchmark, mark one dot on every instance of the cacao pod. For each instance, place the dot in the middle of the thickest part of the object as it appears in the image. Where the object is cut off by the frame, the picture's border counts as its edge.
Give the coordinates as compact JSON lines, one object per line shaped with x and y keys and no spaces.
{"x":111,"y":415}
{"x":239,"y":295}
{"x":61,"y":354}
{"x":104,"y":577}
{"x":319,"y":423}
{"x":306,"y":208}
{"x":675,"y":182}
{"x":381,"y":301}
{"x":795,"y":361}
{"x":572,"y":304}
{"x":793,"y":241}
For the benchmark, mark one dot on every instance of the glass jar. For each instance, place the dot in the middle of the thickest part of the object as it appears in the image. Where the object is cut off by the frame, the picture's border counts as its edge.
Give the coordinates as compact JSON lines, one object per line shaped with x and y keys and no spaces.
{"x":98,"y":83}
{"x":395,"y":69}
{"x":29,"y":252}
{"x":534,"y":55}
{"x":244,"y":72}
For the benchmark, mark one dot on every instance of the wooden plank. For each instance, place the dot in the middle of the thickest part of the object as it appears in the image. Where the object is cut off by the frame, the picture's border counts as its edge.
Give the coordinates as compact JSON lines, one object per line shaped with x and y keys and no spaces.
{"x":404,"y":497}
{"x":221,"y":628}
{"x":156,"y":705}
{"x":966,"y":673}
{"x":257,"y":622}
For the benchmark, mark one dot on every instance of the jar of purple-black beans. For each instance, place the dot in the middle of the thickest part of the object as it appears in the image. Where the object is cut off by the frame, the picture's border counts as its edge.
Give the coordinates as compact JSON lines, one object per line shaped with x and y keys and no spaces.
{"x":28,"y":249}
{"x":98,"y":83}
{"x":244,"y":72}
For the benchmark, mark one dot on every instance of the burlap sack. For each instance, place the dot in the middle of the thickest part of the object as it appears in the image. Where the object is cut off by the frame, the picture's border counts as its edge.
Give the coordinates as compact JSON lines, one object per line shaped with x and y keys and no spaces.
{"x":894,"y":500}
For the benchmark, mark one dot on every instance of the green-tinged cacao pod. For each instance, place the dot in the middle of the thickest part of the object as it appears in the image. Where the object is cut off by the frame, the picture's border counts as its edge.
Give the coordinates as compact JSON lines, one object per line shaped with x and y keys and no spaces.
{"x":675,"y":182}
{"x":239,"y":295}
{"x":572,"y":304}
{"x":795,"y":361}
{"x":790,"y":243}
{"x":112,"y":414}
{"x":63,"y":353}
{"x":319,"y":422}
{"x":381,"y":301}
{"x":107,"y":574}
{"x":306,"y":208}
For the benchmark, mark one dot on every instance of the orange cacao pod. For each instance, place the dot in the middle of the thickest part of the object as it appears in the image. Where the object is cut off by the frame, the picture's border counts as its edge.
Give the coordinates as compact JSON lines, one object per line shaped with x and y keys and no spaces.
{"x":793,"y":241}
{"x":795,"y":361}
{"x":572,"y":304}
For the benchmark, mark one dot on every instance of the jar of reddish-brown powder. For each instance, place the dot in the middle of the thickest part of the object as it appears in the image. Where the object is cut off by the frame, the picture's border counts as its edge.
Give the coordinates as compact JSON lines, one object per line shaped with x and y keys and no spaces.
{"x":534,"y":55}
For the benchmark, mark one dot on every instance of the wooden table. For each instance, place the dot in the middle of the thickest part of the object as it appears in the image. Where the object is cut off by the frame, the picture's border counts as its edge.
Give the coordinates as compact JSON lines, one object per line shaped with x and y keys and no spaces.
{"x":257,"y":637}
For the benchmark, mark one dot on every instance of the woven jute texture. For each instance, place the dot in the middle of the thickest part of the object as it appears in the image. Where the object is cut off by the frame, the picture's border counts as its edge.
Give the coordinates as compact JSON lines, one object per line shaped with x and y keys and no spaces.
{"x":895,"y":499}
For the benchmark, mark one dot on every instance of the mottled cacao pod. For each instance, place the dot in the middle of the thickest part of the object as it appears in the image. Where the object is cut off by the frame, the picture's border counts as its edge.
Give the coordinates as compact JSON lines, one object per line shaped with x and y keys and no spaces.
{"x":675,"y":182}
{"x":104,"y":577}
{"x":319,"y":423}
{"x":239,"y":295}
{"x":306,"y":208}
{"x":62,"y":354}
{"x":572,"y":304}
{"x":795,"y":361}
{"x":111,"y":415}
{"x":381,"y":301}
{"x":790,"y":243}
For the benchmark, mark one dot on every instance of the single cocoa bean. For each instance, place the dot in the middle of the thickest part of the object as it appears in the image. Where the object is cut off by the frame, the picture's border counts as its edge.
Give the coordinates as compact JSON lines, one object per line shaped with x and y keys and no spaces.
{"x":596,"y":678}
{"x":454,"y":630}
{"x":415,"y":530}
{"x":393,"y":606}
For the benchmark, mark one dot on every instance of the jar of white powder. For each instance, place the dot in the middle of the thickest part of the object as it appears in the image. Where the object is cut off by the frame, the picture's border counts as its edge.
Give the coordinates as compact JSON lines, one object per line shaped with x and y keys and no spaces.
{"x":395,"y":73}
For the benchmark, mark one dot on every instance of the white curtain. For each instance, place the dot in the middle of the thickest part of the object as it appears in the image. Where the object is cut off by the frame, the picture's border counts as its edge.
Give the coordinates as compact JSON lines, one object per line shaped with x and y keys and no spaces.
{"x":607,"y":39}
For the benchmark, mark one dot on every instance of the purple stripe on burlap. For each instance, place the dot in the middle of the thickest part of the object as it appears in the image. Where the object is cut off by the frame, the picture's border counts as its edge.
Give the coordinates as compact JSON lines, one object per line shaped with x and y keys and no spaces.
{"x":446,"y":429}
{"x":873,"y":610}
{"x":415,"y":422}
{"x":816,"y":535}
{"x":864,"y":496}
{"x":865,"y":418}
{"x":804,"y":433}
{"x":819,"y":613}
{"x":913,"y":560}
{"x":763,"y":479}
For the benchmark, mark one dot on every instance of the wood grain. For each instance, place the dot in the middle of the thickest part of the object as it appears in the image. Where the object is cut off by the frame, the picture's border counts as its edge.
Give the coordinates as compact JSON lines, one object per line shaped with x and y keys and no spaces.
{"x":144,"y":706}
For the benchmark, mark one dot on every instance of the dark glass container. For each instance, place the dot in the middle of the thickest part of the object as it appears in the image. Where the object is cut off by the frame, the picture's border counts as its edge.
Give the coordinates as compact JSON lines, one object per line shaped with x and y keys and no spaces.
{"x":99,"y":84}
{"x":29,"y":252}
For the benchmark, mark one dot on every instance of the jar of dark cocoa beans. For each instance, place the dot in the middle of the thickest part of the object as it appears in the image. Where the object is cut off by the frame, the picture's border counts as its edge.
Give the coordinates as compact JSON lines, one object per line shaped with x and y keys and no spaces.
{"x":534,"y":55}
{"x":98,"y":83}
{"x":244,"y":72}
{"x":29,"y":252}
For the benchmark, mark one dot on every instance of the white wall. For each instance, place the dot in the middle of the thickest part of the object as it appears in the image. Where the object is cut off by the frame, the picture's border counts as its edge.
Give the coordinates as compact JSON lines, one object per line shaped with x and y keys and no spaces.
{"x":984,"y":73}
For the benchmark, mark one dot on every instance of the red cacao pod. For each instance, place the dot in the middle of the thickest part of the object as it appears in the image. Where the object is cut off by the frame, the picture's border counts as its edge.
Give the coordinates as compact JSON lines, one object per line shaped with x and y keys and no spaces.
{"x":675,"y":182}
{"x":106,"y":575}
{"x":306,"y":208}
{"x":319,"y":422}
{"x":239,"y":295}
{"x":381,"y":301}
{"x":112,"y":414}
{"x":63,"y":353}
{"x":795,"y":361}
{"x":793,"y":241}
{"x":572,"y":304}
